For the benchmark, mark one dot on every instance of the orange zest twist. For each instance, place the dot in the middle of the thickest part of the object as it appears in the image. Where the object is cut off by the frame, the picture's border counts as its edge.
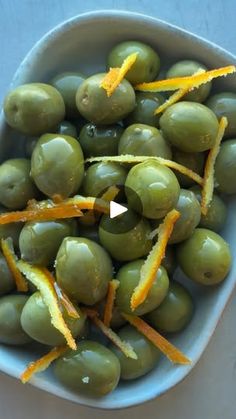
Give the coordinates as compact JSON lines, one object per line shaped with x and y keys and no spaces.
{"x":65,"y":301}
{"x":113,"y":285}
{"x":115,"y":75}
{"x":42,"y":279}
{"x":208,"y":180}
{"x":189,"y":82}
{"x":129,"y":158}
{"x":47,"y":210}
{"x":11,"y":259}
{"x":43,"y":363}
{"x":167,"y":348}
{"x":151,"y":265}
{"x":125,"y":347}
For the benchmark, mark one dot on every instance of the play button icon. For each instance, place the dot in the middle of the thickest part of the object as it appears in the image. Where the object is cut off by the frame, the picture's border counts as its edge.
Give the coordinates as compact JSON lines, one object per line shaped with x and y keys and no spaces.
{"x":116,"y":209}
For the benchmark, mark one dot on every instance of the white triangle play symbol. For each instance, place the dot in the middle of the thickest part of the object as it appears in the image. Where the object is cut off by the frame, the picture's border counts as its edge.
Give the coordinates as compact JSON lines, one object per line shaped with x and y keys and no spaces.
{"x":116,"y":209}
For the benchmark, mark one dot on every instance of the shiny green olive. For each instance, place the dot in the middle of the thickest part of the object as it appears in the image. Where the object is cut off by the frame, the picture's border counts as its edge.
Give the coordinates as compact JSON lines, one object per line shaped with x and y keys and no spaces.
{"x":57,"y":165}
{"x":188,"y":68}
{"x":190,"y":215}
{"x":155,"y":185}
{"x":129,"y":277}
{"x":127,"y":239}
{"x":16,"y":186}
{"x":34,"y":108}
{"x":175,"y":312}
{"x":92,"y":370}
{"x":67,"y":84}
{"x":146,"y":66}
{"x":36,"y":322}
{"x":147,"y":354}
{"x":89,"y":231}
{"x":189,"y":126}
{"x":10,"y":230}
{"x":100,"y":141}
{"x":11,"y":332}
{"x":194,"y":161}
{"x":144,"y":111}
{"x":169,"y":262}
{"x":224,"y":104}
{"x":67,"y":128}
{"x":216,"y":214}
{"x":95,"y":106}
{"x":225,"y":167}
{"x":100,"y":176}
{"x":83,"y":269}
{"x":40,"y":240}
{"x":7,"y":282}
{"x":205,"y":257}
{"x":143,"y":140}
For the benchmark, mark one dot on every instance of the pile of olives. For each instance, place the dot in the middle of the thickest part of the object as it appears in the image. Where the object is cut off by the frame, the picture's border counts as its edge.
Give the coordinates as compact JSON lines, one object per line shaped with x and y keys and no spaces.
{"x":68,"y":120}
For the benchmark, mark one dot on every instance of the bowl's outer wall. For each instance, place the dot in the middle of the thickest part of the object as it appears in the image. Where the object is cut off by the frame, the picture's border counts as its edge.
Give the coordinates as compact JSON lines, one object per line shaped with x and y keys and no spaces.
{"x":83,"y":44}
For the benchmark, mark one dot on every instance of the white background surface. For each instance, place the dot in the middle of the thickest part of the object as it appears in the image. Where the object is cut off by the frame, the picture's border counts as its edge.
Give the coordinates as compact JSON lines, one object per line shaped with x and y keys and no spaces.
{"x":210,"y":391}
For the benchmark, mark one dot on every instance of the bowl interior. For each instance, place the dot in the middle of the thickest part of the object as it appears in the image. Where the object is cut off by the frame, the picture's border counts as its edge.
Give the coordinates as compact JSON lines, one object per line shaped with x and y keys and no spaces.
{"x":83,"y":44}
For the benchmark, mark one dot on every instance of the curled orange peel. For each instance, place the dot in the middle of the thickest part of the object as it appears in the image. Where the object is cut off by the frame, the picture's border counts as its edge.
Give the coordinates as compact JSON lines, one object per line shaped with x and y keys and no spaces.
{"x":111,"y":295}
{"x":11,"y":259}
{"x":167,"y":348}
{"x":153,"y":262}
{"x":208,"y":179}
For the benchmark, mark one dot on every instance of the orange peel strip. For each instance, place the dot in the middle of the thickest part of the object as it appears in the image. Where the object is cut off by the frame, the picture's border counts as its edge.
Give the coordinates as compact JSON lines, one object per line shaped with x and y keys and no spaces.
{"x":176,"y":96}
{"x":42,"y":279}
{"x":43,"y":363}
{"x":125,"y":347}
{"x":115,"y":76}
{"x":49,"y":211}
{"x":208,"y":180}
{"x":108,"y":196}
{"x":111,"y":295}
{"x":189,"y":82}
{"x":129,"y":158}
{"x":152,"y":263}
{"x":167,"y":348}
{"x":11,"y":259}
{"x":65,"y":301}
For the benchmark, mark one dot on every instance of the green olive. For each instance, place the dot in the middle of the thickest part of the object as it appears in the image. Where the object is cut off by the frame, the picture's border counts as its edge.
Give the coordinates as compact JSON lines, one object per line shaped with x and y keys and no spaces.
{"x":193,"y":161}
{"x":189,"y":126}
{"x":7,"y":282}
{"x":10,"y":230}
{"x":188,"y":68}
{"x":16,"y":186}
{"x":128,"y":277}
{"x":57,"y":165}
{"x":146,"y":66}
{"x":67,"y":84}
{"x":34,"y":108}
{"x":100,"y":176}
{"x":225,"y":167}
{"x":216,"y":214}
{"x":132,"y":230}
{"x":11,"y":332}
{"x":143,"y":140}
{"x":147,"y":354}
{"x":83,"y":269}
{"x":92,"y":370}
{"x":224,"y":104}
{"x":40,"y":240}
{"x":155,"y":185}
{"x":144,"y":111}
{"x":36,"y":322}
{"x":67,"y":128}
{"x":205,"y":257}
{"x":95,"y":106}
{"x":175,"y":312}
{"x":100,"y":141}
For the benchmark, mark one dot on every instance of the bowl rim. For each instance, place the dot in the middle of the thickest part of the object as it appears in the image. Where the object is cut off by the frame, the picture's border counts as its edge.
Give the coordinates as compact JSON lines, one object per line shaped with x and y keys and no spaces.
{"x":46,"y":39}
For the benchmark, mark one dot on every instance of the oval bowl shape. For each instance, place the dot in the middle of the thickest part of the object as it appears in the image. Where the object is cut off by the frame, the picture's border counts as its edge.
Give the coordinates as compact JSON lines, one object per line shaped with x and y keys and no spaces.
{"x":83,"y":43}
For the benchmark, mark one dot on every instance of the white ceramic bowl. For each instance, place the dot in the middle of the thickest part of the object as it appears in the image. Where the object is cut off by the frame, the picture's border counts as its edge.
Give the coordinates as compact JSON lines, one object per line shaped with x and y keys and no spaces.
{"x":83,"y":43}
